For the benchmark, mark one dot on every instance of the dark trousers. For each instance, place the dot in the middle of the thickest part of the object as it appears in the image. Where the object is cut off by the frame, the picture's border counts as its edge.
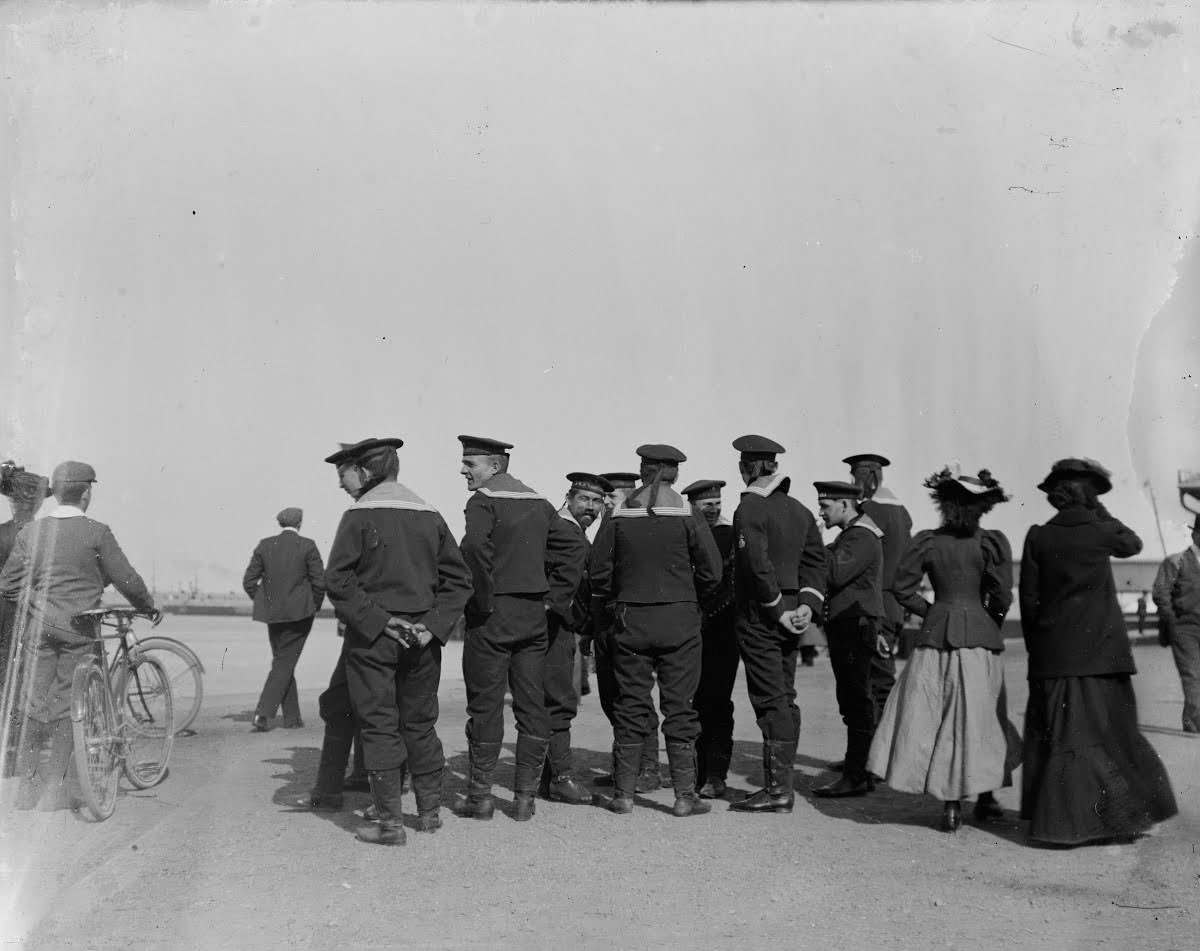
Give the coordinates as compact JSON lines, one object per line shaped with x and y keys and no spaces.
{"x":656,"y":641}
{"x":394,"y":692}
{"x":851,"y":648}
{"x":1185,"y":646}
{"x":714,"y":696}
{"x":883,"y":669}
{"x":769,"y":654}
{"x":334,"y":703}
{"x":509,"y":649}
{"x":287,"y":641}
{"x":562,"y":702}
{"x":606,"y":684}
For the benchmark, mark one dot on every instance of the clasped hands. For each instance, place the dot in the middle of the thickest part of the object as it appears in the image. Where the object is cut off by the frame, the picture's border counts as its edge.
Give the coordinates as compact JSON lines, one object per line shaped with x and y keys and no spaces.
{"x":409,"y":634}
{"x":797,"y":620}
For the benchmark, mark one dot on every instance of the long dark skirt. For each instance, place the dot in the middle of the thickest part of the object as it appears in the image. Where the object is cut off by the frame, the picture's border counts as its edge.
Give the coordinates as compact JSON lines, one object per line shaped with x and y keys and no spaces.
{"x":1089,"y":773}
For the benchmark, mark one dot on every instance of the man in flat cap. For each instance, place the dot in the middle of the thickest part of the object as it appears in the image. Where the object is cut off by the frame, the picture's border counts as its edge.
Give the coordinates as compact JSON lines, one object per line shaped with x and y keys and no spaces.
{"x":892,"y":518}
{"x":719,"y":658}
{"x":585,"y":502}
{"x":1177,"y":597}
{"x":59,"y":568}
{"x":853,"y":616}
{"x":652,"y":565}
{"x":286,"y":581}
{"x":779,"y":585}
{"x":399,"y":583}
{"x":525,"y":563}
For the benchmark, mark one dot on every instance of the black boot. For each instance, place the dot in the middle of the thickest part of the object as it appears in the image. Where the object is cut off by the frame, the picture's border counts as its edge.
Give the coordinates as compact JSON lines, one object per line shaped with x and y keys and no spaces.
{"x":326,"y":794}
{"x":428,"y":790}
{"x":776,"y":794}
{"x":649,"y":774}
{"x":389,"y":829}
{"x":719,"y":753}
{"x":531,"y":755}
{"x":558,"y":773}
{"x":855,"y":780}
{"x":626,"y":759}
{"x":987,"y":809}
{"x":682,"y":757}
{"x":951,"y":816}
{"x":479,"y":803}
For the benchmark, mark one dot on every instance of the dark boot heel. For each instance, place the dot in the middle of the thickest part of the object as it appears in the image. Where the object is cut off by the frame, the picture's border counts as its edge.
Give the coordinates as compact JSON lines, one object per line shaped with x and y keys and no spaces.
{"x":951,"y":817}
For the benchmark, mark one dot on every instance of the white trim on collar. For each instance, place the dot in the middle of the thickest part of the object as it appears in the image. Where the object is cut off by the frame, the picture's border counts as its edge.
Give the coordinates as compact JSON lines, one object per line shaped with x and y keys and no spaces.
{"x":393,"y":504}
{"x":66,"y":511}
{"x":658,"y":510}
{"x":767,"y":489}
{"x":289,"y":528}
{"x":506,"y":494}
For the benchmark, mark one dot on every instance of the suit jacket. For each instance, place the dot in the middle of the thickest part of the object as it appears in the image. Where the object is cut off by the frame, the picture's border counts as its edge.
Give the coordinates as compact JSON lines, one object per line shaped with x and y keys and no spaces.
{"x":1070,"y":616}
{"x":285,"y":578}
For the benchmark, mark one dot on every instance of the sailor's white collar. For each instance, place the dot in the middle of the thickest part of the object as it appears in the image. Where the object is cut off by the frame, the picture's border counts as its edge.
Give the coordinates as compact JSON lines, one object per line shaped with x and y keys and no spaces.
{"x":66,"y":511}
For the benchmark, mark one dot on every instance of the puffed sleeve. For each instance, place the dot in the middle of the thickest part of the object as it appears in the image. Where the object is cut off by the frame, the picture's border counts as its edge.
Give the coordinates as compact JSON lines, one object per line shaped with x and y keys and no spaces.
{"x":997,"y":582}
{"x":909,"y":572}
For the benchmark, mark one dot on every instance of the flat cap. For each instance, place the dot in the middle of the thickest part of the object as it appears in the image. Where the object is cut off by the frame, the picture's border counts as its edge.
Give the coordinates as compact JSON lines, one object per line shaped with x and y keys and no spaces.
{"x":837,"y":490}
{"x":704,"y":489}
{"x":759,"y":446}
{"x":621,"y":480}
{"x":482,"y":446}
{"x":589,"y":483}
{"x":660,"y":452}
{"x":290,"y":517}
{"x":872,"y":457}
{"x":343,"y":454}
{"x":1078,"y":468}
{"x":71,"y":471}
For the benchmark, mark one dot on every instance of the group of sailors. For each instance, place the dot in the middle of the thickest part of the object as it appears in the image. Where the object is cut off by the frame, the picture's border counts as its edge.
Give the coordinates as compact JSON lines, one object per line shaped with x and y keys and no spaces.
{"x":668,"y":595}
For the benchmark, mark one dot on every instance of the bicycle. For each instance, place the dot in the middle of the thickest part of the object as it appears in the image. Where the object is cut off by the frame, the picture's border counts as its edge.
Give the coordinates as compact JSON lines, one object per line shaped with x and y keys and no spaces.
{"x":122,"y":717}
{"x":185,"y":673}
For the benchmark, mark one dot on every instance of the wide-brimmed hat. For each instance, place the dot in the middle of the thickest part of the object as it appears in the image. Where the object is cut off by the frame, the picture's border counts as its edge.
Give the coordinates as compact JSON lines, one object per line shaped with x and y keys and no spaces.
{"x":1078,"y":468}
{"x":950,"y":478}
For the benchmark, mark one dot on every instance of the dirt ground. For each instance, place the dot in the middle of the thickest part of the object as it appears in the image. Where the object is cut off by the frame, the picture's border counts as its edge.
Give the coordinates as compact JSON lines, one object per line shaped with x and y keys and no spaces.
{"x":216,"y":857}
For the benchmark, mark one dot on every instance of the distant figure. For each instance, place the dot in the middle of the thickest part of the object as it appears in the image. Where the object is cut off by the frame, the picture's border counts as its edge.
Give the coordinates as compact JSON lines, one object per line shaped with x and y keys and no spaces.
{"x":286,"y":580}
{"x":1177,"y":597}
{"x":1141,"y":612}
{"x":58,"y":569}
{"x":1089,"y":774}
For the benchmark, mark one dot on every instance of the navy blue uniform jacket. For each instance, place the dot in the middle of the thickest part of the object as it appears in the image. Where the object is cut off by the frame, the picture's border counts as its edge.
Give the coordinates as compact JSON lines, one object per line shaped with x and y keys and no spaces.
{"x":394,"y":554}
{"x":779,"y":549}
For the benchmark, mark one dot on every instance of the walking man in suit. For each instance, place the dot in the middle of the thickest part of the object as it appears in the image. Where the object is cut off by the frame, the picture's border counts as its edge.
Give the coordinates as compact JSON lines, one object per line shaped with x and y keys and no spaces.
{"x":286,"y":580}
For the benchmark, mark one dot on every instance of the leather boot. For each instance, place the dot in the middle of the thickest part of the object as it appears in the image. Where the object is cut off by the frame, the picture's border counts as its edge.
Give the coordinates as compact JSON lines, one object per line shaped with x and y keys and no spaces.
{"x":358,"y":780}
{"x":719,"y":753}
{"x":560,"y":783}
{"x":479,"y":803}
{"x":649,"y":774}
{"x":626,"y":759}
{"x":855,"y":780}
{"x":326,"y":794}
{"x":56,"y":793}
{"x":29,"y":767}
{"x":776,"y":794}
{"x":531,"y":755}
{"x":389,"y":830}
{"x":682,"y":758}
{"x":428,"y":790}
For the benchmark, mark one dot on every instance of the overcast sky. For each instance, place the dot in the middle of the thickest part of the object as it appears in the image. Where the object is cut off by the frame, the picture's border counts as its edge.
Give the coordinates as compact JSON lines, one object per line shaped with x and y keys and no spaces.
{"x":241,"y":234}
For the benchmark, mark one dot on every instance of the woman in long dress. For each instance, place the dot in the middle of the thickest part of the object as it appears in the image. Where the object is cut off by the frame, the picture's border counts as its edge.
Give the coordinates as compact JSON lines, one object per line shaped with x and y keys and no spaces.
{"x":945,"y":729}
{"x":1089,"y":775}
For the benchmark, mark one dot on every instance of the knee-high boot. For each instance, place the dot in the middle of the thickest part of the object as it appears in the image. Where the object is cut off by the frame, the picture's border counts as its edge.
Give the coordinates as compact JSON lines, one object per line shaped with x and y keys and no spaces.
{"x":531,"y":754}
{"x":776,"y":794}
{"x":483,"y":757}
{"x":389,"y":830}
{"x":682,"y":758}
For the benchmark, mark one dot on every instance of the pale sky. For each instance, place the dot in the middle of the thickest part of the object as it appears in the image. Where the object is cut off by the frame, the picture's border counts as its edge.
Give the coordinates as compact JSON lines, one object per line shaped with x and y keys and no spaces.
{"x":242,"y":233}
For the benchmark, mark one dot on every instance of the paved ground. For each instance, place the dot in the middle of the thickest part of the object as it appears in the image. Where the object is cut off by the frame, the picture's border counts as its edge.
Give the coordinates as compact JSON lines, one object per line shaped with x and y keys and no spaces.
{"x":216,"y":858}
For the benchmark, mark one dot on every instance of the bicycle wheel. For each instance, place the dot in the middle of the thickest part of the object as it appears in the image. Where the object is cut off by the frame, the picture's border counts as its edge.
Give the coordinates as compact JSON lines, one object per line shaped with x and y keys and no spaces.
{"x":147,"y":714}
{"x":97,"y":742}
{"x":185,"y":673}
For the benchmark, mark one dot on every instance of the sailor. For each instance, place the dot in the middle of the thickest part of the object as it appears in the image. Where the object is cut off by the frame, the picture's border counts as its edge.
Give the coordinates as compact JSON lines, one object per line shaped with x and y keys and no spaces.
{"x":653,"y":562}
{"x":853,"y":625}
{"x":892,"y":518}
{"x":398,"y":582}
{"x":584,"y":503}
{"x":526,"y":563}
{"x":779,"y":586}
{"x":718,"y":671}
